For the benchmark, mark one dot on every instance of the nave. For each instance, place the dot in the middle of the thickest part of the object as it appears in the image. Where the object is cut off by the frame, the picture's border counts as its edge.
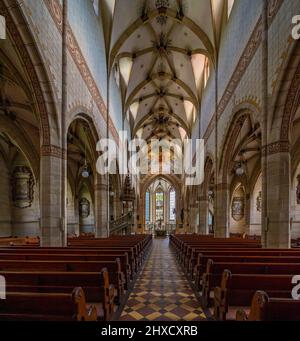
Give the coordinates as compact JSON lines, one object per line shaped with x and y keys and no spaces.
{"x":180,"y":278}
{"x":84,"y":238}
{"x":162,"y":291}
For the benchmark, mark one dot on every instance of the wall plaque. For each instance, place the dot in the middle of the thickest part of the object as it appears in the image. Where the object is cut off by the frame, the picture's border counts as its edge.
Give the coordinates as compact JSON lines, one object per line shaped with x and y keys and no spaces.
{"x":238,"y":208}
{"x":22,"y":187}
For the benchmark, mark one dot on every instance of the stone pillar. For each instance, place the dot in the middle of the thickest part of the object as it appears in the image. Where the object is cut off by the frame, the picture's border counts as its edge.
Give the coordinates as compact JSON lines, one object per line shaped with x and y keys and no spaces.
{"x":52,"y":223}
{"x":193,"y":218}
{"x":276,"y":201}
{"x":221,"y":211}
{"x":117,"y":206}
{"x":203,"y":209}
{"x":76,"y":211}
{"x":247,"y":212}
{"x":101,"y":203}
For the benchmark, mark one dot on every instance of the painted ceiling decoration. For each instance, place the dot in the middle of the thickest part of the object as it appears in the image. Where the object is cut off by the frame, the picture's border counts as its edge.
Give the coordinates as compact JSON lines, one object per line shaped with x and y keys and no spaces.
{"x":161,"y":53}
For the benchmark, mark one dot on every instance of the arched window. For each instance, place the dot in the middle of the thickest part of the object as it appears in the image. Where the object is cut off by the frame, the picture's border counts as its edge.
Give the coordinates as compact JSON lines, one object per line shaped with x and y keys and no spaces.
{"x":172,"y":212}
{"x":147,"y":207}
{"x":159,"y":206}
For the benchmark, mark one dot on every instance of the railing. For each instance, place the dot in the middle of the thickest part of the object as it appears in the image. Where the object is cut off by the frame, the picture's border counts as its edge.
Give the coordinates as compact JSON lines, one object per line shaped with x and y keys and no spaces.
{"x":121,"y":225}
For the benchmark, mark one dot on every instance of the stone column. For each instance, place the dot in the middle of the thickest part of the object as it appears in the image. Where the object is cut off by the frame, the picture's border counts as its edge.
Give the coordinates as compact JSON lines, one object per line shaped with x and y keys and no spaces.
{"x":203,"y":209}
{"x":101,"y":208}
{"x":76,"y":211}
{"x":193,"y":218}
{"x":276,"y":201}
{"x":247,"y":212}
{"x":222,"y":211}
{"x":52,"y":223}
{"x":117,"y":206}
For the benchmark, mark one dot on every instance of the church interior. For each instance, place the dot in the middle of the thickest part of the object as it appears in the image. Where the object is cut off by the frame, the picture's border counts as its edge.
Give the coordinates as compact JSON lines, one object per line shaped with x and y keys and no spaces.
{"x":77,"y":244}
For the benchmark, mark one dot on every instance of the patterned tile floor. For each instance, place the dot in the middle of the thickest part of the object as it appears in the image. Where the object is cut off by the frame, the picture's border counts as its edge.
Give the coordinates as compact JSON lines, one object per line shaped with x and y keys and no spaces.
{"x":162,"y":292}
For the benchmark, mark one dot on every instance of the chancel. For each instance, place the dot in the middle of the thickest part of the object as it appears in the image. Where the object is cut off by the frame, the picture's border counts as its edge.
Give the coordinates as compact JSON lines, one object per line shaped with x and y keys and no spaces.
{"x":196,"y":215}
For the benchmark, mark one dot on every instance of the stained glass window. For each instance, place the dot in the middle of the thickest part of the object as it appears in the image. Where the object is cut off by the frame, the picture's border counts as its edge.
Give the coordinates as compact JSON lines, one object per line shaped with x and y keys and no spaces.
{"x":172,"y":205}
{"x":147,"y":207}
{"x":159,"y":203}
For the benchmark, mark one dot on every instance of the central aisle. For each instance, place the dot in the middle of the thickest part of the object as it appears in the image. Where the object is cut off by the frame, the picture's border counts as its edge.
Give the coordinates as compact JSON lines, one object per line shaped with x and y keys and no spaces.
{"x":162,"y":292}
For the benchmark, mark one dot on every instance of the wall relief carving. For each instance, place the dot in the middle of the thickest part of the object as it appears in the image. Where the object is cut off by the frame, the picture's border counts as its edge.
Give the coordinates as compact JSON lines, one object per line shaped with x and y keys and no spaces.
{"x":22,"y":184}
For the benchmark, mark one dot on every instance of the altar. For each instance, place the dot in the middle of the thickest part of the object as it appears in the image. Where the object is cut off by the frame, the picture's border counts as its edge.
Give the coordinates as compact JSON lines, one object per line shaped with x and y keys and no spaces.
{"x":160,"y":233}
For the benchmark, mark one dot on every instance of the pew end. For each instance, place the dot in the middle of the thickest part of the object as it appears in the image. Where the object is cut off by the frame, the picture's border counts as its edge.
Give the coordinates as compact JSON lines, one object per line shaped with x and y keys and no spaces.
{"x":220,"y":297}
{"x":241,"y":315}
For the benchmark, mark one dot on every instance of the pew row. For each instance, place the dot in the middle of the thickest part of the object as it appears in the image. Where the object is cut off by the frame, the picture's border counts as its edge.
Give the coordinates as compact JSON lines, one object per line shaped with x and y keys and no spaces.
{"x":237,"y":290}
{"x":24,"y":306}
{"x":214,"y":272}
{"x":96,"y":286}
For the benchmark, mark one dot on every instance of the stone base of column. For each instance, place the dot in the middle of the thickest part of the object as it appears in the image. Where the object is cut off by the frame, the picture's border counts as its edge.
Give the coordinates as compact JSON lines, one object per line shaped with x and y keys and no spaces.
{"x":278,"y":235}
{"x":52,"y":223}
{"x":276,"y":200}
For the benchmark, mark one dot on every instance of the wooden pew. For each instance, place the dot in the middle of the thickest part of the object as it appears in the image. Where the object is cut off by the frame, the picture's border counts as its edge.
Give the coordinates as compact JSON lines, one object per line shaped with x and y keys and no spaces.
{"x":96,"y":286}
{"x":189,"y":258}
{"x":184,"y":245}
{"x":140,"y":243}
{"x":46,"y":307}
{"x":87,"y":252}
{"x":22,"y":241}
{"x":264,"y":308}
{"x":237,"y":290}
{"x":214,"y":272}
{"x":258,"y":258}
{"x":123,"y":258}
{"x":116,"y":276}
{"x":197,"y":254}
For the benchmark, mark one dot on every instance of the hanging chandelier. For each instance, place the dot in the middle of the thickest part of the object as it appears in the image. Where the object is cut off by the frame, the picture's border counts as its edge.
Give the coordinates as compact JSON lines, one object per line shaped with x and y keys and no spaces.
{"x":240,"y":170}
{"x":85,"y":172}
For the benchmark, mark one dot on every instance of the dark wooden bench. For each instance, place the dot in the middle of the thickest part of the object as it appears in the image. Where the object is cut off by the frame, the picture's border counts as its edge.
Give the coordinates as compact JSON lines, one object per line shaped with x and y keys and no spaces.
{"x":196,"y":255}
{"x":46,"y":307}
{"x":116,"y":276}
{"x":237,"y":290}
{"x":123,"y":258}
{"x":264,"y":308}
{"x":200,"y":269}
{"x":214,"y":272}
{"x":22,"y":241}
{"x":76,"y":251}
{"x":96,"y":286}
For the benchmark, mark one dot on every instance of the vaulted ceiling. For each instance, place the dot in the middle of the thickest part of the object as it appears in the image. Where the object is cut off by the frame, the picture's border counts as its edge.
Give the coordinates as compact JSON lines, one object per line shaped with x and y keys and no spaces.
{"x":160,"y":52}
